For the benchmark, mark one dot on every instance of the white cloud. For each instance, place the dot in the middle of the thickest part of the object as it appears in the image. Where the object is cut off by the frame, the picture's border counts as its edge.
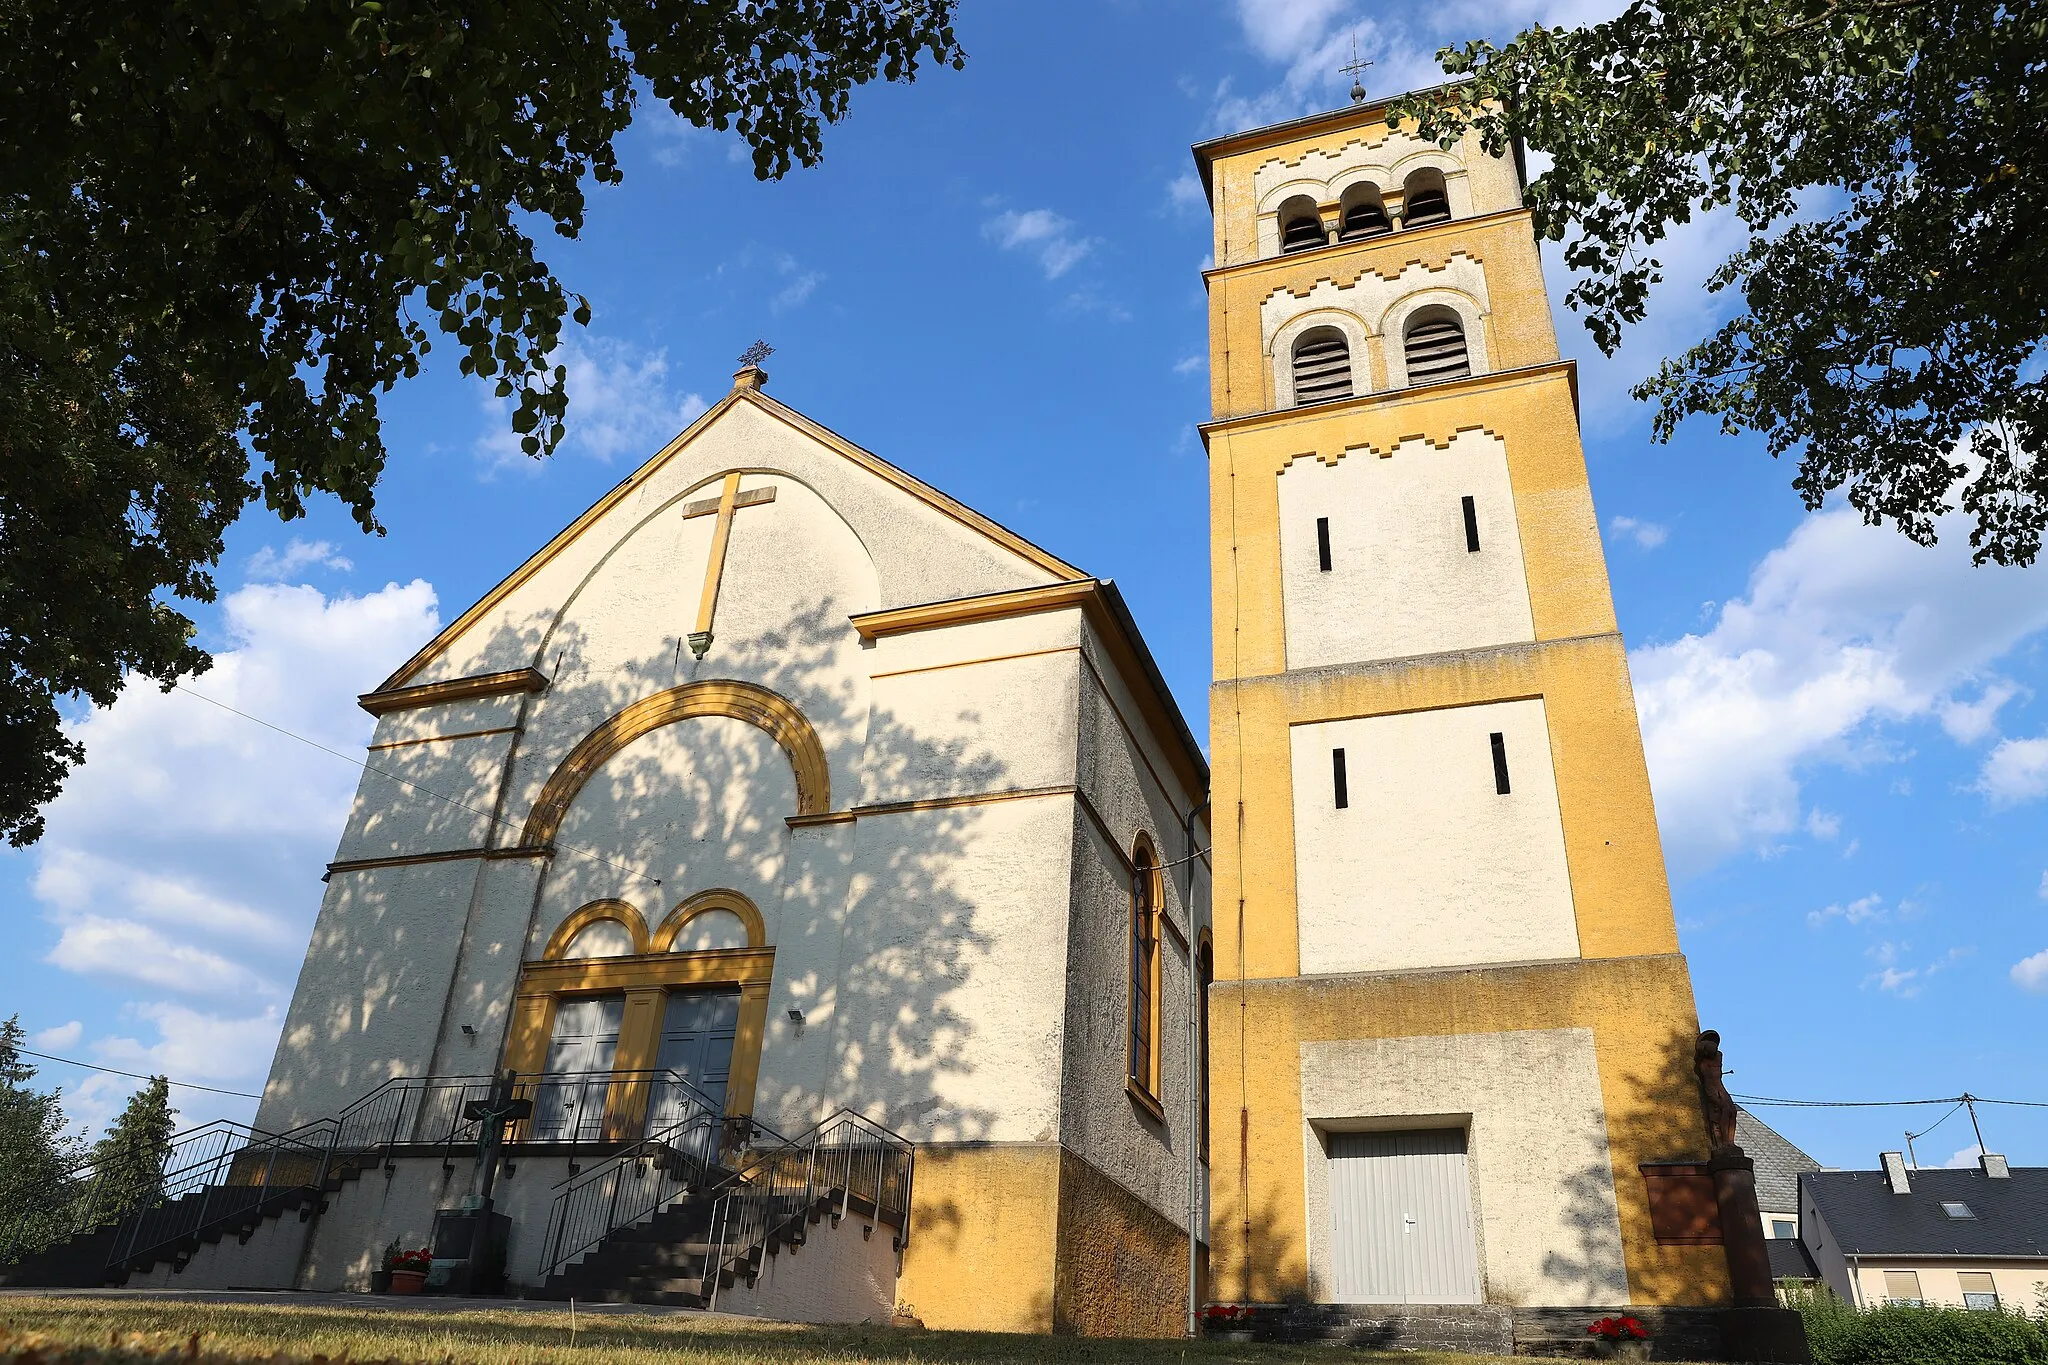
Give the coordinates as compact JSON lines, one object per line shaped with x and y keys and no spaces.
{"x":1844,"y":628}
{"x":1184,"y":193}
{"x":1190,"y":364}
{"x":1855,"y":912}
{"x":1042,"y":233}
{"x":267,"y":565}
{"x":1964,"y":1159}
{"x":620,"y":403}
{"x":2044,"y":886}
{"x":93,"y":946}
{"x":60,"y":1037}
{"x":2016,"y":771}
{"x":1969,"y":721}
{"x":1823,"y":824}
{"x":794,"y":293}
{"x":2031,"y":973}
{"x":183,"y":858}
{"x":1647,"y":535}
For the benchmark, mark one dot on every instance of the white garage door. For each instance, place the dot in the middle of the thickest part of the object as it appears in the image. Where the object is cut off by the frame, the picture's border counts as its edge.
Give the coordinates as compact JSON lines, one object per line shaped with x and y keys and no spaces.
{"x":1402,"y":1208}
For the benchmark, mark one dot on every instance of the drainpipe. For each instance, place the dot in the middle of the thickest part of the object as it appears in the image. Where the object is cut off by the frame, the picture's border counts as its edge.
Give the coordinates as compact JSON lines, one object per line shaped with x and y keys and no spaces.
{"x":1195,"y":1080}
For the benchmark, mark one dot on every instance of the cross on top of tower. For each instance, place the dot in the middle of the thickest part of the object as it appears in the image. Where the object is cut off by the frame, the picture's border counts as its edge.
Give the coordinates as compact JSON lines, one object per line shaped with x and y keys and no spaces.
{"x":1356,"y":71}
{"x":756,"y":353}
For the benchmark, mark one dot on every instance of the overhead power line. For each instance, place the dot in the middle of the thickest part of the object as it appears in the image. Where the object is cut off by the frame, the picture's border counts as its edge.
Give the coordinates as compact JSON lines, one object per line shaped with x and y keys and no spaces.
{"x":136,"y":1075}
{"x":495,"y":820}
{"x":1885,"y":1104}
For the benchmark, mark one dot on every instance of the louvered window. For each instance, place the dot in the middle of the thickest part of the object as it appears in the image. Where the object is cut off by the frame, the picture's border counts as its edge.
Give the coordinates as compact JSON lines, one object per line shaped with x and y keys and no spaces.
{"x":1322,"y":367}
{"x":1365,"y":218}
{"x":1436,"y":350}
{"x":1424,"y":201}
{"x":1302,"y":233}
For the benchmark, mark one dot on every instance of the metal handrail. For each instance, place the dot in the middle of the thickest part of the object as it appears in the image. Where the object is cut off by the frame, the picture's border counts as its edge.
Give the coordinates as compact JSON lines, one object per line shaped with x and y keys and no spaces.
{"x":846,"y":1156}
{"x":222,"y":1169}
{"x":686,"y":1156}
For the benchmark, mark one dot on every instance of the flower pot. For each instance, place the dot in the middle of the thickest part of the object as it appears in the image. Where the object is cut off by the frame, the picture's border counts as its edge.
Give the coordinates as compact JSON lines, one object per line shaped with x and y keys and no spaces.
{"x":905,"y":1320}
{"x":380,"y":1282}
{"x":1623,"y":1348}
{"x":408,"y":1281}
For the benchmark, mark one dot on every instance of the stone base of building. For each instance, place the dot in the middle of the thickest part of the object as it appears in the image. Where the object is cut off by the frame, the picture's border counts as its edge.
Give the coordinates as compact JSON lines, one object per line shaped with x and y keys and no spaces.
{"x":1773,"y":1335}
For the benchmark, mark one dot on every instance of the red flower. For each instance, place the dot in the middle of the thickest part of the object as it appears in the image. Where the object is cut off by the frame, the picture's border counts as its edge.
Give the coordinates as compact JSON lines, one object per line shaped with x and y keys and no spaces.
{"x":1618,"y":1329}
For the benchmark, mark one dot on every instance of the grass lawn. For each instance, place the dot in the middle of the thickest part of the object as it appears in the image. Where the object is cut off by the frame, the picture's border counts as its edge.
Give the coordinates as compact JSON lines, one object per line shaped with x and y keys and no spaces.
{"x":141,"y":1329}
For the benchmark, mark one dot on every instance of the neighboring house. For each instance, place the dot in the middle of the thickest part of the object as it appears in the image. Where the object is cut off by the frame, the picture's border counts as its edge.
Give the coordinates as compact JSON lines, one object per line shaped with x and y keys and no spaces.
{"x":1971,"y":1238}
{"x":1778,"y":1167}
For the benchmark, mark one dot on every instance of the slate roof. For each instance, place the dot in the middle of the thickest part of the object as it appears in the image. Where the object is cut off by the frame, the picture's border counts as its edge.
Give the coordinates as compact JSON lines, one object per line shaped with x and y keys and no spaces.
{"x":1867,"y":1219}
{"x":1789,"y":1260}
{"x":1778,"y":1163}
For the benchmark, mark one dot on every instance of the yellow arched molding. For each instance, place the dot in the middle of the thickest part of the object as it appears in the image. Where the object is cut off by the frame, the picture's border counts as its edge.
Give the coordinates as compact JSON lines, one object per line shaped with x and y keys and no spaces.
{"x":703,"y":901}
{"x":559,"y":941}
{"x":755,"y":705}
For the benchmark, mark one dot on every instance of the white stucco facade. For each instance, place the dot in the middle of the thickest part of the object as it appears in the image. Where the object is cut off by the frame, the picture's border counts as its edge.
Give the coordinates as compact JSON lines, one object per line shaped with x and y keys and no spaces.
{"x":1542,"y":1178}
{"x":1428,"y":864}
{"x":1403,"y":579}
{"x":947,"y":897}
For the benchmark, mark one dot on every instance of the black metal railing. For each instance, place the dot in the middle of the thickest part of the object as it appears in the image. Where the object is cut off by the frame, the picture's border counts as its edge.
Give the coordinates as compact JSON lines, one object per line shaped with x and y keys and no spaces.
{"x":694,"y":1153}
{"x":222,"y":1171}
{"x":846,"y":1158}
{"x":580,"y":1107}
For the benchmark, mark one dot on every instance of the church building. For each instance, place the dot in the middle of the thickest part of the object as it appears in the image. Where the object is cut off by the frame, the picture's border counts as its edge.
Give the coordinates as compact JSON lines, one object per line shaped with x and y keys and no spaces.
{"x":805,"y":882}
{"x":780,"y":781}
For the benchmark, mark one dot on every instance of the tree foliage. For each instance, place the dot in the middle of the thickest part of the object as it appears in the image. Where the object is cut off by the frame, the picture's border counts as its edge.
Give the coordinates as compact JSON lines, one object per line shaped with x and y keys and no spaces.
{"x":35,"y":1153}
{"x":128,"y":1161}
{"x":228,"y":226}
{"x":1885,"y":157}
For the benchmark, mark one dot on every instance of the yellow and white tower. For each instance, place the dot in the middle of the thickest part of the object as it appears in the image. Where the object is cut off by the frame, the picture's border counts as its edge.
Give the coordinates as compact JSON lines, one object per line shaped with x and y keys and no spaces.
{"x":1451,"y":1025}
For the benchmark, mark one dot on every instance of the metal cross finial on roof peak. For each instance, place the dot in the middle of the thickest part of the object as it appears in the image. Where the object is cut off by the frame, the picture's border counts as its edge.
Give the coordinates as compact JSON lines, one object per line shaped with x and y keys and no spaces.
{"x":1355,"y":71}
{"x":756,"y":353}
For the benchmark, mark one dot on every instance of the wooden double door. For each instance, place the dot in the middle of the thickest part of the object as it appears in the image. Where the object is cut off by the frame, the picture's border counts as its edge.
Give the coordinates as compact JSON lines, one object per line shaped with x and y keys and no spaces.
{"x":696,"y":1047}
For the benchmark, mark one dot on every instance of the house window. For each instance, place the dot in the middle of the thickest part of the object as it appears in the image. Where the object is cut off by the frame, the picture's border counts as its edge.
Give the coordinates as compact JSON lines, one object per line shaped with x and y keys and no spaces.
{"x":1784,"y":1229}
{"x":1322,"y":366}
{"x":1498,"y":742}
{"x":1903,"y":1286}
{"x":1435,"y":348}
{"x":1144,"y":1051}
{"x":1979,"y":1291}
{"x":1956,"y":1208}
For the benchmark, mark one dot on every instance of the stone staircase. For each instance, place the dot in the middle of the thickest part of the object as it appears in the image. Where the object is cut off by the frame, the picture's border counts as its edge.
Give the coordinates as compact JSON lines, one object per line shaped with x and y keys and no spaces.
{"x":700,"y":1227}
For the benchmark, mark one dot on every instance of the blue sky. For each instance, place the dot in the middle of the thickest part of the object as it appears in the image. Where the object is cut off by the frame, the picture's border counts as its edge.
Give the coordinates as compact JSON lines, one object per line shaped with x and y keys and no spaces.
{"x":994,"y":281}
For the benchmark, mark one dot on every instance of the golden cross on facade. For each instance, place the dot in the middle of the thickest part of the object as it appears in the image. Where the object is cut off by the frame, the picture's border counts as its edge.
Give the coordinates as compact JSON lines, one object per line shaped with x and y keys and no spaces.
{"x":729,"y":501}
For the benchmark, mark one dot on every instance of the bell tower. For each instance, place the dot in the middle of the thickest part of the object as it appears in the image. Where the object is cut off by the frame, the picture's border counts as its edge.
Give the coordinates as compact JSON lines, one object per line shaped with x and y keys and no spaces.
{"x":1450,"y":1012}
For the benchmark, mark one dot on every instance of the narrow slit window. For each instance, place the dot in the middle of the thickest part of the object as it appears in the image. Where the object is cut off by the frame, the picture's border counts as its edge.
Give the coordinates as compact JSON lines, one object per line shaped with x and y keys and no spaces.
{"x":1500,"y":762}
{"x":1323,"y":543}
{"x":1339,"y":785}
{"x":1471,"y":526}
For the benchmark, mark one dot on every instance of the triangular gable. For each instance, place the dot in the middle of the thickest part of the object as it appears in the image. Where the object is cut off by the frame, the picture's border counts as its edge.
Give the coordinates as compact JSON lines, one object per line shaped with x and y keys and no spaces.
{"x":742,"y":392}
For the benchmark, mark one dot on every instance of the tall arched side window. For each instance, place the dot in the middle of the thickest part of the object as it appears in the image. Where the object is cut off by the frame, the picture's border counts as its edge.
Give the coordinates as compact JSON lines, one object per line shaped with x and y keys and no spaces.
{"x":1144,"y":1050}
{"x":1301,"y":225}
{"x":1364,"y":214}
{"x":1424,"y":199}
{"x":1435,"y":348}
{"x":1322,"y":367}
